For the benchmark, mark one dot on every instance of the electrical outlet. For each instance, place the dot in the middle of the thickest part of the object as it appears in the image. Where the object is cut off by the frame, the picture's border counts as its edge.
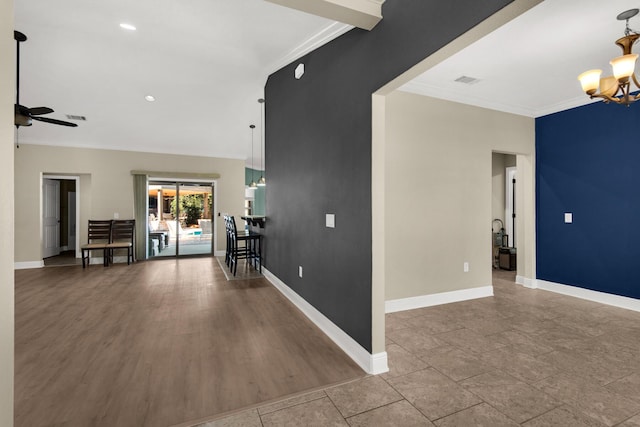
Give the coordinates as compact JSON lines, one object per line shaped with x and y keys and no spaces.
{"x":116,"y":215}
{"x":465,"y":267}
{"x":300,"y":271}
{"x":330,"y":220}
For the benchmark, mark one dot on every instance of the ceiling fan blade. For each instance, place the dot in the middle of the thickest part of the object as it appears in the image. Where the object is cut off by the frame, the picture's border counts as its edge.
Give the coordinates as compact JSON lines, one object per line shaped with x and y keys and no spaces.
{"x":54,"y":121}
{"x":36,"y":111}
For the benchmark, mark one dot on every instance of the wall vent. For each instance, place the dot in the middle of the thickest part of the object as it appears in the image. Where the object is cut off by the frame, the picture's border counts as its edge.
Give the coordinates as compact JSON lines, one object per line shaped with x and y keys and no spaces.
{"x":72,"y":117}
{"x":467,"y":80}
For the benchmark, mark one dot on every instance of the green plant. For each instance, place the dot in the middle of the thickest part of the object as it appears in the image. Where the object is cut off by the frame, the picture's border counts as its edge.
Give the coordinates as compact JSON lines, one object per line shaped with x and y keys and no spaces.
{"x":191,"y":207}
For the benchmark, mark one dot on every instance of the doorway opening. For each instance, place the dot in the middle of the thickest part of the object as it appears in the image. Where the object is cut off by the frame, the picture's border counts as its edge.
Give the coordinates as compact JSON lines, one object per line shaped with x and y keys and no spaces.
{"x":180,"y":219}
{"x":503,"y":211}
{"x":60,"y":211}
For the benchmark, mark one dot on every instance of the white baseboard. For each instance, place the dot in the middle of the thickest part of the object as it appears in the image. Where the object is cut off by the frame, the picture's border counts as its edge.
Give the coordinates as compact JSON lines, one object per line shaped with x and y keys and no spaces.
{"x":527,"y":282}
{"x":596,"y":296}
{"x":219,"y":253}
{"x":28,"y":264}
{"x":371,"y":363}
{"x":421,"y":301}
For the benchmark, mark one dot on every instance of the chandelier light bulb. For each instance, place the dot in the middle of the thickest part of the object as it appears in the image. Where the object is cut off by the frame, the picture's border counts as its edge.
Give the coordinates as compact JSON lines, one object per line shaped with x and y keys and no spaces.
{"x":623,"y":66}
{"x":590,"y":80}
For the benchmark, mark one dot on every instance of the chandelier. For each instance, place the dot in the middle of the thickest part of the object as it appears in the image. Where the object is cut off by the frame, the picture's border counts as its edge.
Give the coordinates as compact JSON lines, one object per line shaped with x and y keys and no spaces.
{"x":616,"y":88}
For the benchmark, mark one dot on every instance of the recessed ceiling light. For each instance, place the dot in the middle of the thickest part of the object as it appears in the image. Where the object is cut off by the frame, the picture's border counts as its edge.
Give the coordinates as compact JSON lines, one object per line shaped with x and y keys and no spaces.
{"x":127,"y":27}
{"x":150,"y":98}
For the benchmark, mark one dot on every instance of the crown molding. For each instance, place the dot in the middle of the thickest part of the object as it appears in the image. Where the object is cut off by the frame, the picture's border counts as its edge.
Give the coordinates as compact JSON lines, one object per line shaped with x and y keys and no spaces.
{"x":324,"y":36}
{"x":447,"y":94}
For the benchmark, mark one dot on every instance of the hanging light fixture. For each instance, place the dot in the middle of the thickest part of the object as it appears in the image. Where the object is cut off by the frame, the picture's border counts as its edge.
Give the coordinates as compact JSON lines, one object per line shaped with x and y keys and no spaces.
{"x":262,"y":182}
{"x":616,"y":88}
{"x":253,"y":181}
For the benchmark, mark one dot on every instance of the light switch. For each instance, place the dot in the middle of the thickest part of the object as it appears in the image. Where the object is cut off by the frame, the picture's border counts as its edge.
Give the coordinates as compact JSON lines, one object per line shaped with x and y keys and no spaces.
{"x":568,"y":218}
{"x":330,"y":220}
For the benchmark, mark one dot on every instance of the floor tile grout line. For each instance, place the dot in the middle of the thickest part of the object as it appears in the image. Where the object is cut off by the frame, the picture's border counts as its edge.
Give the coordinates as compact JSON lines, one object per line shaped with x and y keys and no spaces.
{"x":368,"y":410}
{"x":405,"y":398}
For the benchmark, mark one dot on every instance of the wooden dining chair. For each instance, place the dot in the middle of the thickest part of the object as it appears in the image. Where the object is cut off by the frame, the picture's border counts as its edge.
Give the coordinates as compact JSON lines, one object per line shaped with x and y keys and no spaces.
{"x":98,"y":237}
{"x":122,"y":237}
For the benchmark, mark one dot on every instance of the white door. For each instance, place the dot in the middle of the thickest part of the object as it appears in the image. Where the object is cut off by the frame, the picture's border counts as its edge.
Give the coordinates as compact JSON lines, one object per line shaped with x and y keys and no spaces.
{"x":50,"y":217}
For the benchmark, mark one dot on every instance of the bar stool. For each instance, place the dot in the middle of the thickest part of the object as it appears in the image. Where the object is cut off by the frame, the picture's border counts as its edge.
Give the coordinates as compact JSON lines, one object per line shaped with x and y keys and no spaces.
{"x":243,"y":245}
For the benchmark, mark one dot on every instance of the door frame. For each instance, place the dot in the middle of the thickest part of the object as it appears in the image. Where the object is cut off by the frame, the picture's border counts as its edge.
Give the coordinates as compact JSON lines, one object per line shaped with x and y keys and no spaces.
{"x":75,"y":178}
{"x":179,"y":180}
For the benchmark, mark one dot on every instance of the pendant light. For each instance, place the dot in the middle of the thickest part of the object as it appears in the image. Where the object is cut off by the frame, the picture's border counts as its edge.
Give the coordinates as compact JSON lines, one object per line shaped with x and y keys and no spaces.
{"x":253,"y":181}
{"x":262,"y":182}
{"x":618,"y":88}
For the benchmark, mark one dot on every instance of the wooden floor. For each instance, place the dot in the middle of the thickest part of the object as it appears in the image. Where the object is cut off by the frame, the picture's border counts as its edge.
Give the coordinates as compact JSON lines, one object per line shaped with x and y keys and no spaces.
{"x":158,"y":343}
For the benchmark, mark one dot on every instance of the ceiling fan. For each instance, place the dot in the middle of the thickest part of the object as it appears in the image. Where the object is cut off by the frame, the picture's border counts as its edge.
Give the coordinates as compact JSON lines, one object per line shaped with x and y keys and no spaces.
{"x":25,"y":115}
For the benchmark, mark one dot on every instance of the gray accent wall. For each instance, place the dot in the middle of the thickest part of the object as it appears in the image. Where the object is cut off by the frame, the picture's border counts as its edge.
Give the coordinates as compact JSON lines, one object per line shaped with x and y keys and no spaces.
{"x":318,"y":152}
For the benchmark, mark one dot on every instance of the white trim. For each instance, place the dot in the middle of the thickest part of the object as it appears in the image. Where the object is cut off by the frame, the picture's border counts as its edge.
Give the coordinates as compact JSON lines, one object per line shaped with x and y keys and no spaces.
{"x":379,"y":363}
{"x":324,"y":36}
{"x":371,"y":363}
{"x":219,"y":253}
{"x":596,"y":296}
{"x":450,"y":94}
{"x":526,"y":282}
{"x":75,"y":178}
{"x":28,"y":264}
{"x":391,"y":306}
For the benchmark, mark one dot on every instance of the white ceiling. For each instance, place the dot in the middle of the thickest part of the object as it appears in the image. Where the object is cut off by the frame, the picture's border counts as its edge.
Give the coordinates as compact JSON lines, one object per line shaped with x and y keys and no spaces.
{"x":530,"y":65}
{"x":206,"y":62}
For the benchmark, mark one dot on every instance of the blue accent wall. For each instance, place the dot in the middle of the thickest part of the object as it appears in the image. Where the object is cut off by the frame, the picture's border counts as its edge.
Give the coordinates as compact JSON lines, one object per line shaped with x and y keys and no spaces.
{"x":588,"y":163}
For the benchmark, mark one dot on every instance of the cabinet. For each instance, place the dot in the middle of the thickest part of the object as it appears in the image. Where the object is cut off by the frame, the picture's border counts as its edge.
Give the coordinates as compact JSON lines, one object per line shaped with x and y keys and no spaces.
{"x":507,"y":258}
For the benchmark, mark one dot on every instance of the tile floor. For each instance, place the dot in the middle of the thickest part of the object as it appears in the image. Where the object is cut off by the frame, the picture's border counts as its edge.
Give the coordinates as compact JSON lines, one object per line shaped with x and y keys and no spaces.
{"x":521,"y":358}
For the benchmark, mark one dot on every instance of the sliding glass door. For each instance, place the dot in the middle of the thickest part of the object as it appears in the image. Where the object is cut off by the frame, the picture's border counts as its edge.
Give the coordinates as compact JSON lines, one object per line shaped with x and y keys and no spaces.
{"x":180,"y":219}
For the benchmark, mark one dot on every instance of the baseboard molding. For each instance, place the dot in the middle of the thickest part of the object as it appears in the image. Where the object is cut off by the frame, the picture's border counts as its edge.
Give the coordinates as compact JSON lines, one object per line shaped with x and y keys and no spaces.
{"x":587,"y":294}
{"x":219,"y":253}
{"x":370,"y":363}
{"x":526,"y":282}
{"x":421,"y":301}
{"x":28,"y":264}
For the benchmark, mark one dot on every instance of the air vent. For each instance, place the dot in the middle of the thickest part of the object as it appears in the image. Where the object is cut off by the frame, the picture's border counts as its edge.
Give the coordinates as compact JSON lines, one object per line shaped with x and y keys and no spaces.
{"x":467,"y":80}
{"x":72,"y":117}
